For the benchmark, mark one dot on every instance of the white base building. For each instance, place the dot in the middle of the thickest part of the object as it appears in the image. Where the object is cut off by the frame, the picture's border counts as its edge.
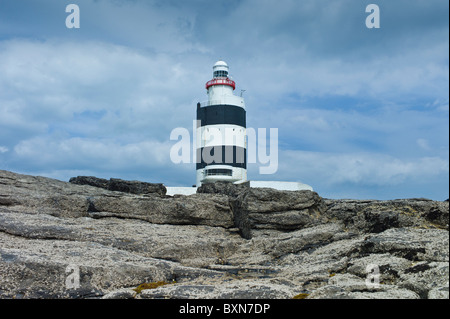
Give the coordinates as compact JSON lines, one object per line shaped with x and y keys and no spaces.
{"x":282,"y":186}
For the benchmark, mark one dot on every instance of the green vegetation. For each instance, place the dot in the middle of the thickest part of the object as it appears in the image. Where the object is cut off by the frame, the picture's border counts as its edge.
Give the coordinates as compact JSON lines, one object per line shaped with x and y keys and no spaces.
{"x":300,"y":296}
{"x":149,"y":285}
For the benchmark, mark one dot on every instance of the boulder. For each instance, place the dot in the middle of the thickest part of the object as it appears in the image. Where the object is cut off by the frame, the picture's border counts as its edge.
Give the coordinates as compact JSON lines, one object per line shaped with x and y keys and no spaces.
{"x":267,"y":208}
{"x":120,"y":185}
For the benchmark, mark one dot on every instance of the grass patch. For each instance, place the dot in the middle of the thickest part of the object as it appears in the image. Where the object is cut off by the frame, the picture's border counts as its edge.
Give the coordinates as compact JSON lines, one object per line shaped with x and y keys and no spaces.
{"x":300,"y":296}
{"x":150,"y":285}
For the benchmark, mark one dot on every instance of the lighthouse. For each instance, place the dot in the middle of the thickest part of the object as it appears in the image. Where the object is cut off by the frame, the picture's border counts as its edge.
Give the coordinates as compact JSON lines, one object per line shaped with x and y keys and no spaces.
{"x":221,"y":139}
{"x":221,"y":147}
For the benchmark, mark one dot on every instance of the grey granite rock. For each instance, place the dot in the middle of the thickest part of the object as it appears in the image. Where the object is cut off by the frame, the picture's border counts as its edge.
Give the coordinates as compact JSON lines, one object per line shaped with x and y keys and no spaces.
{"x":66,"y":240}
{"x":120,"y":185}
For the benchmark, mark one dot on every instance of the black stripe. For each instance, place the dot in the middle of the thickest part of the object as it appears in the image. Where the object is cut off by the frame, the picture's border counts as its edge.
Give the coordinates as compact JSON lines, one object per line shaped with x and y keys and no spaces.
{"x":234,"y":156}
{"x":222,"y":114}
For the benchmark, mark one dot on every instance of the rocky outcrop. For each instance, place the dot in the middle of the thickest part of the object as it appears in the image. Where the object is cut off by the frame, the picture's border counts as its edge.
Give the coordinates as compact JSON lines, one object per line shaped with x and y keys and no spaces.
{"x":72,"y":240}
{"x":120,"y":185}
{"x":266,"y":208}
{"x":374,"y":216}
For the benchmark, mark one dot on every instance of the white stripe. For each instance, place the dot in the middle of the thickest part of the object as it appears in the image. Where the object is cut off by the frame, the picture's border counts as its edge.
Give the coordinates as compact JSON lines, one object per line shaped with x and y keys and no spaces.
{"x":221,"y":134}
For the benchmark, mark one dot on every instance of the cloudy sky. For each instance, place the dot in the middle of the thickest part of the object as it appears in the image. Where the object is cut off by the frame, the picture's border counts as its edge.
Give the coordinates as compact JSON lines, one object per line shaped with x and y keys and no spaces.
{"x":361,"y":113}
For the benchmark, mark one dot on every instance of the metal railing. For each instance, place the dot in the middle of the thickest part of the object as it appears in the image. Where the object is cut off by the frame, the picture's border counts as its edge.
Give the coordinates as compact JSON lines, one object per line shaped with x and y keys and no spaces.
{"x":213,"y":102}
{"x":221,"y":81}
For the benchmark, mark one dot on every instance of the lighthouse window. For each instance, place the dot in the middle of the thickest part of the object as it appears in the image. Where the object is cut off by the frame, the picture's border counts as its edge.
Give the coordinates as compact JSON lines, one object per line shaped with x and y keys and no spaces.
{"x":218,"y":171}
{"x":218,"y":74}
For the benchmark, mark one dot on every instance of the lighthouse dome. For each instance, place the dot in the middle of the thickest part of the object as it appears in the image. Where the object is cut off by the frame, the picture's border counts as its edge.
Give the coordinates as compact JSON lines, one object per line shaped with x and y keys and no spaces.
{"x":221,"y":63}
{"x":220,"y":69}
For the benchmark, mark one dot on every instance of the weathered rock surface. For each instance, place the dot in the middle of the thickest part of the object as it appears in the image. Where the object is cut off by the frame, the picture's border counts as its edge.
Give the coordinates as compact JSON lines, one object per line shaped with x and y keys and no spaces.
{"x":266,"y":208}
{"x":120,"y":185}
{"x":90,"y":240}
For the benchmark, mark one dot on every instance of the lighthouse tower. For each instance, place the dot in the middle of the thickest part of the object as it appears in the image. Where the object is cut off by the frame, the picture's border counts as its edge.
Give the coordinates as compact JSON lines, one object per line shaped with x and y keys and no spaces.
{"x":221,"y":131}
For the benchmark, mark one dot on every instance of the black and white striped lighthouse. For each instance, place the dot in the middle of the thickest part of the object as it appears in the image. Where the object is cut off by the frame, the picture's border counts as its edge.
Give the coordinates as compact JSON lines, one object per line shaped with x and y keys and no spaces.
{"x":221,"y":131}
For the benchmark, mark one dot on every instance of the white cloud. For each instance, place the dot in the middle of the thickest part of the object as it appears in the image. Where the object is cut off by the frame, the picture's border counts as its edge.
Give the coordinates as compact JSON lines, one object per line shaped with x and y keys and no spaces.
{"x":423,"y":143}
{"x":364,"y":169}
{"x":48,"y":83}
{"x":3,"y":149}
{"x":83,"y":153}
